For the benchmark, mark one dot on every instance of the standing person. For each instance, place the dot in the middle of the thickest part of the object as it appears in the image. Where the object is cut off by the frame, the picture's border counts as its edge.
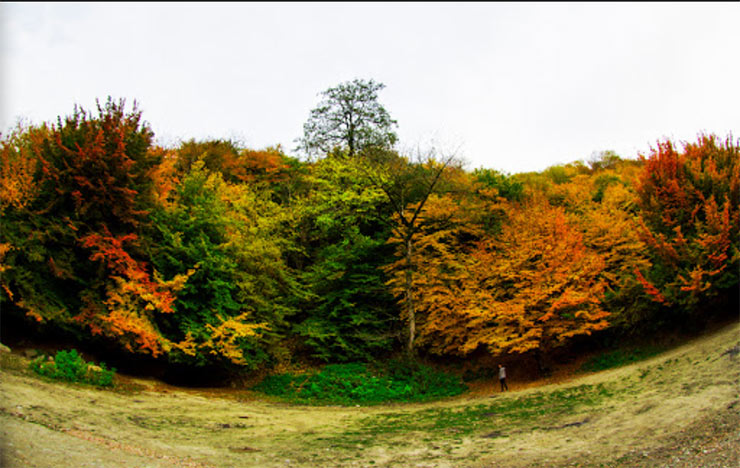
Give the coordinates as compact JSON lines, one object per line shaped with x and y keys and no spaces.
{"x":502,"y":378}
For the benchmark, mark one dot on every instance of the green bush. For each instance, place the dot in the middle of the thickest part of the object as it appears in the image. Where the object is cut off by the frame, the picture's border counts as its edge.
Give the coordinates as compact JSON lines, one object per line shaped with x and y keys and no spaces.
{"x":70,"y":367}
{"x":358,"y":383}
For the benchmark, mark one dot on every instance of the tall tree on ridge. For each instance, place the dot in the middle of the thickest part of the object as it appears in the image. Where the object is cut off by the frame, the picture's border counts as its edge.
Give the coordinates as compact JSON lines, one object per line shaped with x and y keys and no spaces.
{"x":349,"y":116}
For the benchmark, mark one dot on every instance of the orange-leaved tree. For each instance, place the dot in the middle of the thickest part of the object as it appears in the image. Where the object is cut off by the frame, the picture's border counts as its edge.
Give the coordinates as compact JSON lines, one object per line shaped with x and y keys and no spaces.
{"x":539,"y":285}
{"x":602,"y":204}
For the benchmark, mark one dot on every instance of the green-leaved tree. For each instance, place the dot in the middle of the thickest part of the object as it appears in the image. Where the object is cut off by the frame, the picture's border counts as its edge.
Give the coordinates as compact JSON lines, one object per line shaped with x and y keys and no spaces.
{"x":349,"y":116}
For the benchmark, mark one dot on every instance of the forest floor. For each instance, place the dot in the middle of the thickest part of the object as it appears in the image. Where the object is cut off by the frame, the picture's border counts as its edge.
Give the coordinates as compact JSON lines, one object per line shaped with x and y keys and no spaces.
{"x":678,"y":409}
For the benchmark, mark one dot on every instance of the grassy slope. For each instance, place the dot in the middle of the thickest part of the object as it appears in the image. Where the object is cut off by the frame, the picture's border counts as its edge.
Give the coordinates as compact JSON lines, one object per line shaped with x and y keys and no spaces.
{"x":679,"y":407}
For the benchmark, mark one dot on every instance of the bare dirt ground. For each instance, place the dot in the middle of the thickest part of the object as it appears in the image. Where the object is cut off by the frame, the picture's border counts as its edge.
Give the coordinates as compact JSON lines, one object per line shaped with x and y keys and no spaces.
{"x":678,"y":409}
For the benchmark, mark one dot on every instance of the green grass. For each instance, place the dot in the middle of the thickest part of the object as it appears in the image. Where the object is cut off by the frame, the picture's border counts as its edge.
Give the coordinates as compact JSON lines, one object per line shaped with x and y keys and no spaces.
{"x":492,"y":420}
{"x":358,"y":383}
{"x":618,"y":358}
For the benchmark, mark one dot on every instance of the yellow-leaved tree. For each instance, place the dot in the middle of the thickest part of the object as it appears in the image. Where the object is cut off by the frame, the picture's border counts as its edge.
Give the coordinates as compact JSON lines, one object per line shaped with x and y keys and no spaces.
{"x":441,"y":282}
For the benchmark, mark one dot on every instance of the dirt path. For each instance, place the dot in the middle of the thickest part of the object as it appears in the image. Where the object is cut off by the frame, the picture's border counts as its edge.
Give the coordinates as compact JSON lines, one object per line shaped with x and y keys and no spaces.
{"x":679,"y":409}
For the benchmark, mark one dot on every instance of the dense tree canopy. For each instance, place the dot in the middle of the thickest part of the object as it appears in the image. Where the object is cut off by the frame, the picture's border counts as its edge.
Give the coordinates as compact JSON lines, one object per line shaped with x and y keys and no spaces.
{"x":690,"y":219}
{"x":211,"y":254}
{"x":348,"y":313}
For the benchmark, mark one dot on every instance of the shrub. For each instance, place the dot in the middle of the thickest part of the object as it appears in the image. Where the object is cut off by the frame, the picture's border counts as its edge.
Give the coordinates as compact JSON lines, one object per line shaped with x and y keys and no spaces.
{"x":358,"y":383}
{"x":70,"y":367}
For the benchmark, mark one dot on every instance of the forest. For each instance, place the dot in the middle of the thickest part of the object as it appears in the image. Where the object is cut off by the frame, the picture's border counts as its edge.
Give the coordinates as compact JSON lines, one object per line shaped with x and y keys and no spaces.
{"x":209,"y":255}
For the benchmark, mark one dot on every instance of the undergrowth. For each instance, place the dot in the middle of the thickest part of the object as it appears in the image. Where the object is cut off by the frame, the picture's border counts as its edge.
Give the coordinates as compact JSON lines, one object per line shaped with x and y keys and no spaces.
{"x":70,"y":367}
{"x":617,"y":358}
{"x":359,"y":383}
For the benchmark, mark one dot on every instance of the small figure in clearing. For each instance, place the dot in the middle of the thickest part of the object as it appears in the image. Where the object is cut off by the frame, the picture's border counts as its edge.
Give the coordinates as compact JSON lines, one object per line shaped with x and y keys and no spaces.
{"x":502,"y":377}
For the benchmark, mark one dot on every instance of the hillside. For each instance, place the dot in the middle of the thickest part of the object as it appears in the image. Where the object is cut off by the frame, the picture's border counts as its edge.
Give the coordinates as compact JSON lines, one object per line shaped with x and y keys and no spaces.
{"x":680,"y":408}
{"x":211,"y":255}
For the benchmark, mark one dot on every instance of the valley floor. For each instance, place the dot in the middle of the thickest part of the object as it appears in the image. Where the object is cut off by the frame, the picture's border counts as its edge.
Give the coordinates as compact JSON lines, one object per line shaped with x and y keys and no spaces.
{"x":678,"y":409}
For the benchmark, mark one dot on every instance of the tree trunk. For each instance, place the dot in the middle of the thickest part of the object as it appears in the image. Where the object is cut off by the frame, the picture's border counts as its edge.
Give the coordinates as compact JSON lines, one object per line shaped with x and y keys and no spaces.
{"x":542,"y":367}
{"x":410,"y":300}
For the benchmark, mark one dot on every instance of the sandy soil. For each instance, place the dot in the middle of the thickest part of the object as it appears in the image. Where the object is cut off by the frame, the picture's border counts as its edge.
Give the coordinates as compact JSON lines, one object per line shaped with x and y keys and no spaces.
{"x":678,"y":409}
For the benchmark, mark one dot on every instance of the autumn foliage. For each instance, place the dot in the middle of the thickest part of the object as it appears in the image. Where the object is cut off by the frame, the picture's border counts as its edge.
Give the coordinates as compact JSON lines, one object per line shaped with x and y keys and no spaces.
{"x":540,"y":283}
{"x":210,"y":254}
{"x":531,"y":287}
{"x":691,"y":222}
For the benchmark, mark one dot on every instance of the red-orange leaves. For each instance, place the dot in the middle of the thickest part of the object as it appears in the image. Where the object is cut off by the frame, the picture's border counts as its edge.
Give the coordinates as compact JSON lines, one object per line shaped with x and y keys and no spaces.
{"x":109,"y":249}
{"x":132,"y":296}
{"x":251,"y":166}
{"x":691,"y":221}
{"x":651,"y":290}
{"x":97,"y":169}
{"x":131,"y":274}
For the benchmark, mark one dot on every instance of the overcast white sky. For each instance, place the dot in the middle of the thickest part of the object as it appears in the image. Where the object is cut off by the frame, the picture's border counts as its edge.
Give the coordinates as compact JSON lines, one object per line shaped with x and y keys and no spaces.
{"x":511,"y":86}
